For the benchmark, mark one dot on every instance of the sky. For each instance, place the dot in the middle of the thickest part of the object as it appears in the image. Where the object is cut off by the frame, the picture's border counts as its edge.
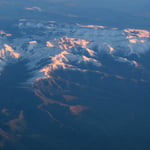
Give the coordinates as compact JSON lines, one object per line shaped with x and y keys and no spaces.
{"x":103,"y":10}
{"x":112,"y":4}
{"x":124,"y":5}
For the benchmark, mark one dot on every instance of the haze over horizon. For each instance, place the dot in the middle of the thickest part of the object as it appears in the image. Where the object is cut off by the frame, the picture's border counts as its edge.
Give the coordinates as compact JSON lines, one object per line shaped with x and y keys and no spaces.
{"x":99,"y":10}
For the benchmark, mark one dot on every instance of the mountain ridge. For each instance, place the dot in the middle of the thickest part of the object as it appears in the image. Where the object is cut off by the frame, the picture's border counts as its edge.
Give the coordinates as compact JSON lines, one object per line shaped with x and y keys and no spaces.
{"x":71,"y":46}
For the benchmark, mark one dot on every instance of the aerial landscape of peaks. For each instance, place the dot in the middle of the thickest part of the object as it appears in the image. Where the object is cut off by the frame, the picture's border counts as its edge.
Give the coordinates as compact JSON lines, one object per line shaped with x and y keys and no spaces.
{"x":74,"y":75}
{"x":50,"y":46}
{"x":62,"y":80}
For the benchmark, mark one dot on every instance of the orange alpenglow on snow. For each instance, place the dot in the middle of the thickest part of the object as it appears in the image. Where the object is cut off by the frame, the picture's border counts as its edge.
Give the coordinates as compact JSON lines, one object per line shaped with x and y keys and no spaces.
{"x":8,"y":34}
{"x":92,"y":26}
{"x":49,"y":44}
{"x":111,"y":49}
{"x":136,"y":41}
{"x":91,"y":52}
{"x":137,"y":33}
{"x":32,"y":42}
{"x":4,"y":33}
{"x":2,"y":53}
{"x":11,"y":50}
{"x":86,"y":59}
{"x":56,"y":62}
{"x":135,"y":63}
{"x":71,"y":43}
{"x":46,"y":71}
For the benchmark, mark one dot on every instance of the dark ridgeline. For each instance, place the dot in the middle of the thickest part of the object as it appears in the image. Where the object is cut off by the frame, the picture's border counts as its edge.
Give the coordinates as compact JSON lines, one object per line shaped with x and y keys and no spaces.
{"x":115,"y":116}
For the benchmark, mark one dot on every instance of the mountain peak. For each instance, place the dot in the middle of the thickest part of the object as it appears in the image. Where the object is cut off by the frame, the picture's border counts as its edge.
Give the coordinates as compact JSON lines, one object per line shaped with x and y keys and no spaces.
{"x":73,"y":47}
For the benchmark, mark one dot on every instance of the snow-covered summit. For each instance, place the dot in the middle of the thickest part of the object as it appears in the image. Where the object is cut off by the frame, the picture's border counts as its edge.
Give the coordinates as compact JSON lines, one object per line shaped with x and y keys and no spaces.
{"x":51,"y":46}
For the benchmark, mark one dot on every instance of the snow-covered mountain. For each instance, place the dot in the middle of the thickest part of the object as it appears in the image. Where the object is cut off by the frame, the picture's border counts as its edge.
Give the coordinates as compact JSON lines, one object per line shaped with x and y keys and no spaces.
{"x":78,"y":76}
{"x":50,"y":46}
